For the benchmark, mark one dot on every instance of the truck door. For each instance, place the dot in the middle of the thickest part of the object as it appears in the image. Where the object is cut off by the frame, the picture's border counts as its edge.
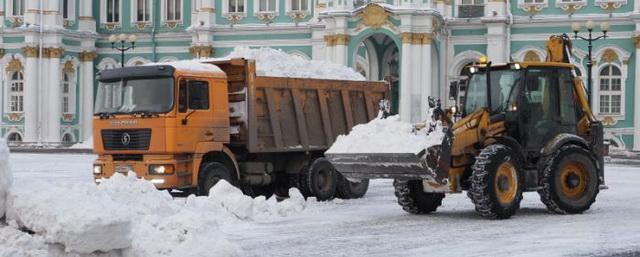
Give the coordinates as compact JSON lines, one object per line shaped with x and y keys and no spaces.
{"x":540,"y":114}
{"x":195,"y":113}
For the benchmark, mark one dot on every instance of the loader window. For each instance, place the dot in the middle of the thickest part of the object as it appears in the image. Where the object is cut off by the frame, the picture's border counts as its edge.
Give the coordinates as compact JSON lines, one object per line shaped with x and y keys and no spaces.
{"x":503,"y":81}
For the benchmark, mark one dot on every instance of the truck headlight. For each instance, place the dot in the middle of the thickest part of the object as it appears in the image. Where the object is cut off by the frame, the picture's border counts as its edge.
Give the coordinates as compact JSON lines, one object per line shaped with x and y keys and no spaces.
{"x":97,"y":169}
{"x":161,"y":169}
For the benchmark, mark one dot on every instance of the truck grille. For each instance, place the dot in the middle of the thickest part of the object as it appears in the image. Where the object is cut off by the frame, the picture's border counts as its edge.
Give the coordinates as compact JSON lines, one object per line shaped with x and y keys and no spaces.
{"x":130,"y":139}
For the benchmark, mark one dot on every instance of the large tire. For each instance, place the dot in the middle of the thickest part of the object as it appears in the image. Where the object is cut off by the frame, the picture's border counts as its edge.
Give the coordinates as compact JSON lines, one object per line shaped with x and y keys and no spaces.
{"x":569,"y":181}
{"x":210,"y":174}
{"x":413,"y":199}
{"x":351,"y":190}
{"x":496,"y":182}
{"x":320,"y":180}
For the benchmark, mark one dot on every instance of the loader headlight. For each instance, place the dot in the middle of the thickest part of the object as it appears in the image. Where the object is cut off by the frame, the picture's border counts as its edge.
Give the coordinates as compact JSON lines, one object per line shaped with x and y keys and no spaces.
{"x":515,"y":66}
{"x":161,"y":169}
{"x":454,"y":109}
{"x":97,"y":169}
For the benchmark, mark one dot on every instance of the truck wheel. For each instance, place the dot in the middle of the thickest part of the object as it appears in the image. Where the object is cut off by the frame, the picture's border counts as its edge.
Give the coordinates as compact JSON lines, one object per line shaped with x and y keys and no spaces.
{"x":320,"y":180}
{"x":351,"y":190}
{"x":210,"y":174}
{"x":496,"y":182}
{"x":413,"y":199}
{"x":569,"y":181}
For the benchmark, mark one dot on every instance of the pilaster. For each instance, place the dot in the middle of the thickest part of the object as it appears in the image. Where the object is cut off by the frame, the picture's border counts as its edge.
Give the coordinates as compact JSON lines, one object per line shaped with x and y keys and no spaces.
{"x":53,"y":100}
{"x":636,"y":102}
{"x":416,"y":77}
{"x":405,"y":77}
{"x":86,"y":93}
{"x":341,"y":41}
{"x":426,"y":71}
{"x":31,"y":94}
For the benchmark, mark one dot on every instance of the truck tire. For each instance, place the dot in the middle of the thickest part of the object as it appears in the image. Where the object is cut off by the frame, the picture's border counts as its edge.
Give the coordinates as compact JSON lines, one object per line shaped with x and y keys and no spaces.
{"x":413,"y":199}
{"x":569,"y":181}
{"x":320,"y":180}
{"x":351,"y":190}
{"x":496,"y":182}
{"x":210,"y":174}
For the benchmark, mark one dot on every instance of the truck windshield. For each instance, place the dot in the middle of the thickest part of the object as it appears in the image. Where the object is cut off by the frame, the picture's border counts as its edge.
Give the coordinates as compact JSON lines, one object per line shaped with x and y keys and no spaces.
{"x":502,"y":84}
{"x":146,"y":96}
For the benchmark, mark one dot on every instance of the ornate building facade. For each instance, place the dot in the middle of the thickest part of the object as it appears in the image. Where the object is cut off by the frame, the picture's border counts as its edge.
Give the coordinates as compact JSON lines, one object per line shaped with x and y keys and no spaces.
{"x":48,"y":71}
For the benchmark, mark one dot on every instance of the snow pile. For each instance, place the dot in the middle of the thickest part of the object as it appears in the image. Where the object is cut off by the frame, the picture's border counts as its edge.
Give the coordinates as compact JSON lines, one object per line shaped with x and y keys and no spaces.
{"x":6,"y":178}
{"x":388,"y":135}
{"x":15,"y":243}
{"x":276,"y":63}
{"x":127,"y":216}
{"x":235,"y":205}
{"x":86,"y":144}
{"x":83,"y":219}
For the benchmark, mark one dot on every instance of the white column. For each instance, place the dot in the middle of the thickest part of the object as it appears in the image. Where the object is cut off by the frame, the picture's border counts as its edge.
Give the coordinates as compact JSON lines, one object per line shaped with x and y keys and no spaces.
{"x":86,"y":94}
{"x":496,"y":42}
{"x":54,"y":95}
{"x":86,"y":21}
{"x":405,"y":77}
{"x":329,"y":51}
{"x":636,"y":108}
{"x":31,"y":95}
{"x":341,"y":49}
{"x":416,"y":78}
{"x":426,"y":78}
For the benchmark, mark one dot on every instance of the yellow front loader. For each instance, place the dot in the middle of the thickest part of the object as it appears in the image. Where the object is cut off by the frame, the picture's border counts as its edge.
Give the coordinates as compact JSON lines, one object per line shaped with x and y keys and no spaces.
{"x":525,"y":126}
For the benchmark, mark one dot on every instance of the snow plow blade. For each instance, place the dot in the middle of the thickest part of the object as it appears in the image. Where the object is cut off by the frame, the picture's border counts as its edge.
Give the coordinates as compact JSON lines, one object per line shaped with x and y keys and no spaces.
{"x":381,"y":165}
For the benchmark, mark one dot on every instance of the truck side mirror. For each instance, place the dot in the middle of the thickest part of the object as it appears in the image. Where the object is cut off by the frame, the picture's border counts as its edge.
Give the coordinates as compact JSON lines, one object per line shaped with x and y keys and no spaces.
{"x":453,"y":90}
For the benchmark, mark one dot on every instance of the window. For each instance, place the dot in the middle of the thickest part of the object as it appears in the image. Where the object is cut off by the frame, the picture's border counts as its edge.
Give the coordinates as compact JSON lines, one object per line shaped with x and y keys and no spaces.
{"x":610,"y":91}
{"x":67,"y":139}
{"x":142,"y":10}
{"x":173,"y":10}
{"x":236,"y":6}
{"x":299,"y":5}
{"x":17,"y":8}
{"x":65,"y":9}
{"x":16,"y":92}
{"x":571,"y":1}
{"x":113,"y":11}
{"x":534,"y":1}
{"x":471,"y":8}
{"x":66,"y":89}
{"x":194,"y":94}
{"x":267,"y":6}
{"x":14,"y":138}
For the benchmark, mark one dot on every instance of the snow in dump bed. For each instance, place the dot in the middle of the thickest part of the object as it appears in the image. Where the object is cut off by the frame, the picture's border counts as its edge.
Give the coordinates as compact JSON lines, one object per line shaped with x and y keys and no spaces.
{"x":388,"y":135}
{"x":6,"y":178}
{"x":130,"y":216}
{"x":276,"y":63}
{"x":190,"y":65}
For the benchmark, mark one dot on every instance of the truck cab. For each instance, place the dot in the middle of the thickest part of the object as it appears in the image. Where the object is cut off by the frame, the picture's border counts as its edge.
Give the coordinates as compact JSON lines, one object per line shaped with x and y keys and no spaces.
{"x":157,"y":121}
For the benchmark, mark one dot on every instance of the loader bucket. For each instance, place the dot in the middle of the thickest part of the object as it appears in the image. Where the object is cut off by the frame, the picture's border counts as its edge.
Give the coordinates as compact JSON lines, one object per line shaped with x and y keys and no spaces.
{"x":381,"y":165}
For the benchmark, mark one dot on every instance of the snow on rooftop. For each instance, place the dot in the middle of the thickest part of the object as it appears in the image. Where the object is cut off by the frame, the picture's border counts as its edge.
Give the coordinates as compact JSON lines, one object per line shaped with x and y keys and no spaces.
{"x":388,"y":135}
{"x":190,"y":65}
{"x":6,"y":177}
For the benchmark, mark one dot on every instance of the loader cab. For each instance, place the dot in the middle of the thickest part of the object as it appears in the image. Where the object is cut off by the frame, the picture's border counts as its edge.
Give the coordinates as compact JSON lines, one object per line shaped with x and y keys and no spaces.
{"x":535,"y":100}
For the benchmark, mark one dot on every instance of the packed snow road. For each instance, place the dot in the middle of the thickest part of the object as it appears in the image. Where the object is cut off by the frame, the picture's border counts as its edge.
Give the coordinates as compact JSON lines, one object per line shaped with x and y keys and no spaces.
{"x":377,"y":226}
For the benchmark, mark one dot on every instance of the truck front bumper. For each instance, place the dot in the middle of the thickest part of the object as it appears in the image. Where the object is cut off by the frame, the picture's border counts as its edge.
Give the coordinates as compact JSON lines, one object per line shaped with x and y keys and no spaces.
{"x":177,"y":176}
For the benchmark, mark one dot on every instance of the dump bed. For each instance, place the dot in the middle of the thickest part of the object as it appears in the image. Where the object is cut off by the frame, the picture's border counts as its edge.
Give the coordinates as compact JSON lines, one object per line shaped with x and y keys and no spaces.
{"x":279,"y":114}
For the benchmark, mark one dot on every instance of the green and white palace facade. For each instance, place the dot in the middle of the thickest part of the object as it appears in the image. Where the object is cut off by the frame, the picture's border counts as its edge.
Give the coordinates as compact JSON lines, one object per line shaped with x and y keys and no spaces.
{"x":52,"y":49}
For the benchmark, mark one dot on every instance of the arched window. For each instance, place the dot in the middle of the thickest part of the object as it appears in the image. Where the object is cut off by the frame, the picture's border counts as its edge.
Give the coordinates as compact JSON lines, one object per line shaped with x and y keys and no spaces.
{"x":16,"y":92}
{"x":610,"y":91}
{"x":14,"y":138}
{"x":67,"y":139}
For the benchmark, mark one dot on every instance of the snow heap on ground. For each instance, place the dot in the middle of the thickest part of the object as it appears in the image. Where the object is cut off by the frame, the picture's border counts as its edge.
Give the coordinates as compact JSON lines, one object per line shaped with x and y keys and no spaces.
{"x":6,"y":178}
{"x":276,"y":63}
{"x":388,"y":135}
{"x":126,"y":216}
{"x":15,"y":243}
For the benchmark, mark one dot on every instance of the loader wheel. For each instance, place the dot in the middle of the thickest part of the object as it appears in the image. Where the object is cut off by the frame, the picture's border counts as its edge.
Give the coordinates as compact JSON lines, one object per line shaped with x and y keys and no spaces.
{"x":569,"y":181}
{"x":320,"y":180}
{"x":496,"y":182}
{"x":413,"y":199}
{"x":210,"y":174}
{"x":351,"y":190}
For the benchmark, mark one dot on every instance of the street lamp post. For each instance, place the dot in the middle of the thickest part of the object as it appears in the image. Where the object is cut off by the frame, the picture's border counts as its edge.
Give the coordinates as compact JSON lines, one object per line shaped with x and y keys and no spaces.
{"x":590,"y":39}
{"x":123,"y":39}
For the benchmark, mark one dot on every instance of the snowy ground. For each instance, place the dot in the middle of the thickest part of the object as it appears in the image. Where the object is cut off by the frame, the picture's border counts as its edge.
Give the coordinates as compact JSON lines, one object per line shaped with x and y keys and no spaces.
{"x":376,"y":226}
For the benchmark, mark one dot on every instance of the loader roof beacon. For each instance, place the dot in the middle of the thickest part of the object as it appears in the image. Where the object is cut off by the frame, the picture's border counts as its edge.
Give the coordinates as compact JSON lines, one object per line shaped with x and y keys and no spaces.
{"x":186,"y":125}
{"x":525,"y":126}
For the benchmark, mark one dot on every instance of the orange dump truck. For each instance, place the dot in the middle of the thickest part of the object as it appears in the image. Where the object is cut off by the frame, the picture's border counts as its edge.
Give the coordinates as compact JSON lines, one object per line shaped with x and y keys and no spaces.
{"x":186,"y":125}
